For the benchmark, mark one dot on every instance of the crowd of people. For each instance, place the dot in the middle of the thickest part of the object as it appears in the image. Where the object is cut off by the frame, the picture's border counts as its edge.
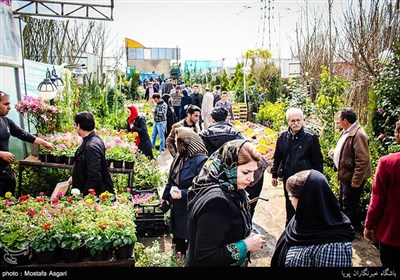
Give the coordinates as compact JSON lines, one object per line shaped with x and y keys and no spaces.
{"x":216,"y":175}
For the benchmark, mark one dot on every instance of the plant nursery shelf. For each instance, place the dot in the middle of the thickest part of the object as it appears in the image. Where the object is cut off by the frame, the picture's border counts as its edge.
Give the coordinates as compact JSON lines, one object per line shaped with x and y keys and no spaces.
{"x":33,"y":161}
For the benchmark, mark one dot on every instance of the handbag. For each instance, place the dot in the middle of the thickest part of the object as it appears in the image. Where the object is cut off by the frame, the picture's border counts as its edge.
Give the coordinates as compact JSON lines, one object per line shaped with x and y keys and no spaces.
{"x":165,"y":206}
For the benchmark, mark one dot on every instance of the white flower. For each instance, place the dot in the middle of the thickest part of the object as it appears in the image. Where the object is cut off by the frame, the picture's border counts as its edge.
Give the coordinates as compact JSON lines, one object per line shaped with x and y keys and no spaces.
{"x":75,"y":191}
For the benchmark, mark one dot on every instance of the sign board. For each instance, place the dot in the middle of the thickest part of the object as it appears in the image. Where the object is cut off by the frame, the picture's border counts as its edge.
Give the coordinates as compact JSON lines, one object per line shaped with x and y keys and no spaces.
{"x":60,"y":187}
{"x":290,"y":68}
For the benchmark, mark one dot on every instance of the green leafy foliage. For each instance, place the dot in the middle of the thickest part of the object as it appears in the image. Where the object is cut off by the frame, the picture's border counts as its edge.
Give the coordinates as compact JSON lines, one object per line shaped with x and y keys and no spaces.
{"x":385,"y":110}
{"x":147,"y":174}
{"x":328,"y":102}
{"x":272,"y":114}
{"x":154,"y":257}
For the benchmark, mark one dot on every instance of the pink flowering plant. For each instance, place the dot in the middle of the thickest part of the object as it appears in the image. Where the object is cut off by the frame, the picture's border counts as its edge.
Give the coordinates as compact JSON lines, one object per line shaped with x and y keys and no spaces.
{"x":42,"y":115}
{"x":67,"y":221}
{"x":45,"y":225}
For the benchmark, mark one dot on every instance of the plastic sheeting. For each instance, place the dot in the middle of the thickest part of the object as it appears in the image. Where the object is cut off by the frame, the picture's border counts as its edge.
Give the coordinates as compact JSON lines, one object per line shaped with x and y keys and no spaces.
{"x":10,"y":44}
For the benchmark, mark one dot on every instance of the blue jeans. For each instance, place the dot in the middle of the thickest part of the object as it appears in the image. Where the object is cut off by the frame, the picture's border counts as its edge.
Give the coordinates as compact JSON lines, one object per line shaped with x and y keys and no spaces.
{"x":159,"y":129}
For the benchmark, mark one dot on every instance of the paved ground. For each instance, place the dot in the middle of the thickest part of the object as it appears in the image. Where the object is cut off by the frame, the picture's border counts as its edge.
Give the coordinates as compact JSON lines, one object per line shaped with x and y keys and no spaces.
{"x":269,"y":219}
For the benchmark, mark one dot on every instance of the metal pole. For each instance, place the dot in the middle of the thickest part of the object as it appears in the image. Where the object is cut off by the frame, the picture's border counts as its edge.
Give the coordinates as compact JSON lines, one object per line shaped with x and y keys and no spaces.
{"x":330,"y":2}
{"x":18,"y":86}
{"x":244,"y":87}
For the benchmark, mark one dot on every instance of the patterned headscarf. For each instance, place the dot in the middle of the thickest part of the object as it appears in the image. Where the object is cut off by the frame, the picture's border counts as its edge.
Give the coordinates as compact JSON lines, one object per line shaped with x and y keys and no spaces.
{"x":188,"y":145}
{"x":220,"y":171}
{"x":221,"y":167}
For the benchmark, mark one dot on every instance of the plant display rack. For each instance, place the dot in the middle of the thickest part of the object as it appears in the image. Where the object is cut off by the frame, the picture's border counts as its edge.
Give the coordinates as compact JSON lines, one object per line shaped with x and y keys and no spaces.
{"x":240,"y":111}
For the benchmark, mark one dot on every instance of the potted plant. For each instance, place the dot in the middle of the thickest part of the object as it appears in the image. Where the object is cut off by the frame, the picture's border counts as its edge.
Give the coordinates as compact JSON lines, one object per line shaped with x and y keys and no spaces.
{"x":118,"y":155}
{"x":59,"y":153}
{"x":123,"y":239}
{"x":15,"y":236}
{"x":42,"y":115}
{"x":147,"y":174}
{"x":130,"y":156}
{"x":98,"y":240}
{"x":44,"y":242}
{"x":123,"y":230}
{"x":71,"y":233}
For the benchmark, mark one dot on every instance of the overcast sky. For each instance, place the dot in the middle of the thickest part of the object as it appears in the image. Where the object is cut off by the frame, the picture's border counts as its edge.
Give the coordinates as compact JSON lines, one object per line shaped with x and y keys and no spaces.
{"x":206,"y":29}
{"x":209,"y":29}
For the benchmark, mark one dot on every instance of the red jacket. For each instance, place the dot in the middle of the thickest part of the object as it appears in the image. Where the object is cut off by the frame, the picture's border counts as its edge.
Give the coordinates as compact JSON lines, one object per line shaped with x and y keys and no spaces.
{"x":383,"y":211}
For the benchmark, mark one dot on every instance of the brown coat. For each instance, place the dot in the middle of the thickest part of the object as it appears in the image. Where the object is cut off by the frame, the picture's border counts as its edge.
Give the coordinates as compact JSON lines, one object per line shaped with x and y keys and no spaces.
{"x":170,"y":142}
{"x":354,"y":160}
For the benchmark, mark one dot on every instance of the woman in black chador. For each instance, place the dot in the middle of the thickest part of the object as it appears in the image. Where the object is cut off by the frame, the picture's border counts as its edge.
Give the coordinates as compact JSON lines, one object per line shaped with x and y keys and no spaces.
{"x":319,"y":234}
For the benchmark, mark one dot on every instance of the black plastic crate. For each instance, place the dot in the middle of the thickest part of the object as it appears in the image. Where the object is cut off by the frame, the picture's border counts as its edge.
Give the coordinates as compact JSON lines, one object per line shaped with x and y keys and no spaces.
{"x":146,"y":228}
{"x":149,"y":212}
{"x":149,"y":217}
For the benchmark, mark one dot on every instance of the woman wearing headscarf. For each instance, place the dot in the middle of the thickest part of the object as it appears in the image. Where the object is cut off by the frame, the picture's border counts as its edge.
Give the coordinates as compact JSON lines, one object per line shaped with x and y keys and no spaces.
{"x":319,"y":234}
{"x":137,"y":123}
{"x":191,"y":156}
{"x":185,"y":102}
{"x":219,"y":220}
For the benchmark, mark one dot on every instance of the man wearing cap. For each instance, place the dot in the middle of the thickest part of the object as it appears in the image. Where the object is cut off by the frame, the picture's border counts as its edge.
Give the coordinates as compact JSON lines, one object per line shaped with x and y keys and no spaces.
{"x":206,"y":109}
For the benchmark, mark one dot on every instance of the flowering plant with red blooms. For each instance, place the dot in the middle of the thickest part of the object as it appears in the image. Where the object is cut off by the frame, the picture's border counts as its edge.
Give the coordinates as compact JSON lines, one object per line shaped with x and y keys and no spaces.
{"x":91,"y":197}
{"x":106,"y":198}
{"x":178,"y":260}
{"x":45,"y":231}
{"x":99,"y":237}
{"x":65,"y":221}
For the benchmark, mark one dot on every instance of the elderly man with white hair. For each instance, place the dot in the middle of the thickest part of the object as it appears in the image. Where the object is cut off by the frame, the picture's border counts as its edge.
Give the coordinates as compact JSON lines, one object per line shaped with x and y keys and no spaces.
{"x":296,"y":149}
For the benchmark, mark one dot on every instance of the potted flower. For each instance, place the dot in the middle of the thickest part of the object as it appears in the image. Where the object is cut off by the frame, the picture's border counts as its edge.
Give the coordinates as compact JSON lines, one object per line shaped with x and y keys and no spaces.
{"x":123,"y":230}
{"x":130,"y":155}
{"x":42,"y":115}
{"x":58,"y":153}
{"x":147,"y":174}
{"x":15,"y":236}
{"x":71,"y":232}
{"x":44,"y":242}
{"x":98,"y":240}
{"x":123,"y":239}
{"x":118,"y":155}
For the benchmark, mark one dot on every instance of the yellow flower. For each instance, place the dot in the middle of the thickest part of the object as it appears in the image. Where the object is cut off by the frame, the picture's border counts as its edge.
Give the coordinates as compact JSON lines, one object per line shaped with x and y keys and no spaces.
{"x":8,"y":195}
{"x":89,"y":201}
